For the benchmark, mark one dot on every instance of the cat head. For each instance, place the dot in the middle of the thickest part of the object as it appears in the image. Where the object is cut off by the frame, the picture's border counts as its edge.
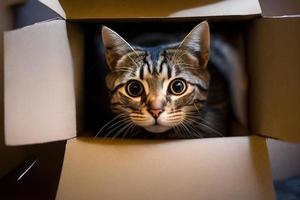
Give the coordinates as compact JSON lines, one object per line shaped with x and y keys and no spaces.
{"x":158,"y":88}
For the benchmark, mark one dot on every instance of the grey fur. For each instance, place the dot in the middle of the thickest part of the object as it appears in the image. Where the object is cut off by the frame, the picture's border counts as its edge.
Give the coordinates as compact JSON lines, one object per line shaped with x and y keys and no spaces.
{"x":192,"y":113}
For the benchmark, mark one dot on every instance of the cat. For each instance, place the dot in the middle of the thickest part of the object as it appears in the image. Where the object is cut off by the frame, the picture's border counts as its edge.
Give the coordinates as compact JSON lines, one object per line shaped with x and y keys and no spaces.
{"x":165,"y":91}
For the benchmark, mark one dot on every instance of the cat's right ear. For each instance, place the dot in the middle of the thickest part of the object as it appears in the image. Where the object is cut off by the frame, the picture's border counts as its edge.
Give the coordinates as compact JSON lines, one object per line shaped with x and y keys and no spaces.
{"x":115,"y":46}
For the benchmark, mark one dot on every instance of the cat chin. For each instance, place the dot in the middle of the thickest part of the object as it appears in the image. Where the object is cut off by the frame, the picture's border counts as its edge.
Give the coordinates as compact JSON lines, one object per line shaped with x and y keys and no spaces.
{"x":157,"y":128}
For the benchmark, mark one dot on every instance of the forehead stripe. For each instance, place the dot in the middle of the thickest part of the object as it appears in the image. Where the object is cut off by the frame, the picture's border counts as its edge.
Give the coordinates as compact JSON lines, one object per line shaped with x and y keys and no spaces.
{"x":142,"y":72}
{"x":169,"y":70}
{"x":146,"y":61}
{"x":164,"y":60}
{"x":200,"y":87}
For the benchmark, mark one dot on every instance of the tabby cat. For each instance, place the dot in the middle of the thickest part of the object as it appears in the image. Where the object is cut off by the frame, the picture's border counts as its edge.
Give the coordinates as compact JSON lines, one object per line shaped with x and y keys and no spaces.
{"x":165,"y":91}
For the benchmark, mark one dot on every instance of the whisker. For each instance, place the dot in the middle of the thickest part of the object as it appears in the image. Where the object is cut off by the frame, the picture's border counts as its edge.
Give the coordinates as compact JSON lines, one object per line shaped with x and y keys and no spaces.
{"x":184,"y":134}
{"x":196,"y":107}
{"x":184,"y":130}
{"x":118,"y":122}
{"x":197,"y":123}
{"x":121,"y":130}
{"x":181,"y":134}
{"x":185,"y":64}
{"x":133,"y":61}
{"x":178,"y":57}
{"x":111,"y":131}
{"x":185,"y":125}
{"x":131,"y":128}
{"x":118,"y":116}
{"x":195,"y":131}
{"x":135,"y":133}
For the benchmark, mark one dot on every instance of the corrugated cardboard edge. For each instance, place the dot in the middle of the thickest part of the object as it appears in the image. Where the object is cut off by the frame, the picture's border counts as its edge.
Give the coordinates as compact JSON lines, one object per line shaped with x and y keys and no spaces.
{"x":55,"y":6}
{"x":223,"y":8}
{"x":39,"y":95}
{"x":216,"y":168}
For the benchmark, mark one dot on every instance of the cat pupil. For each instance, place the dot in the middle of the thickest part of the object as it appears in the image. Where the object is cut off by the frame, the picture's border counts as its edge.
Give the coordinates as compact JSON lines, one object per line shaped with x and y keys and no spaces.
{"x":134,"y":88}
{"x":177,"y":87}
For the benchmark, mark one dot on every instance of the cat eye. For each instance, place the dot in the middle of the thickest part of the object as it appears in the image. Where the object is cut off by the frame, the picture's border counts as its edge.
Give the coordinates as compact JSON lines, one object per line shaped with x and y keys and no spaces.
{"x":134,"y":88}
{"x":177,"y":86}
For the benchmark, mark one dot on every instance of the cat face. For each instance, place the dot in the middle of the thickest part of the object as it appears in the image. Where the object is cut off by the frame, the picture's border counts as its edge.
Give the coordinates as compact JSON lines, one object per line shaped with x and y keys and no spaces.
{"x":158,"y":88}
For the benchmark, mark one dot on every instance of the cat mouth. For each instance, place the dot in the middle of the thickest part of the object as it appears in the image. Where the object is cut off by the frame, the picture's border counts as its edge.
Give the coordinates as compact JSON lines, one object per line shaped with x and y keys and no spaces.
{"x":156,"y":128}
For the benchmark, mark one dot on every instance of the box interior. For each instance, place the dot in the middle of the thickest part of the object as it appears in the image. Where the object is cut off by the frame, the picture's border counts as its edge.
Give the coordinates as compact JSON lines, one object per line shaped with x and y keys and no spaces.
{"x":96,"y":99}
{"x":269,"y":100}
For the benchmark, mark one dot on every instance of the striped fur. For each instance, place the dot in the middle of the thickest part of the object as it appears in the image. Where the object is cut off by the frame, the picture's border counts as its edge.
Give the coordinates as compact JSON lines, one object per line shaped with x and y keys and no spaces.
{"x":187,"y":115}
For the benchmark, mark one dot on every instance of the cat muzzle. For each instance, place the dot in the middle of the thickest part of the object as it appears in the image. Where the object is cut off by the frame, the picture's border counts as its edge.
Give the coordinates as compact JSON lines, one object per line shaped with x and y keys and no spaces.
{"x":155,"y":112}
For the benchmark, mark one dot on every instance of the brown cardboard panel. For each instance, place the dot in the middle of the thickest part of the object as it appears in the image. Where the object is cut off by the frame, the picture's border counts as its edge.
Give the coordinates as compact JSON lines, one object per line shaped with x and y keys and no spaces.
{"x":274,"y":67}
{"x":93,"y":9}
{"x":76,"y":41}
{"x":222,"y":8}
{"x":219,"y":168}
{"x":10,"y":2}
{"x":55,"y":5}
{"x":280,"y":7}
{"x":39,"y":90}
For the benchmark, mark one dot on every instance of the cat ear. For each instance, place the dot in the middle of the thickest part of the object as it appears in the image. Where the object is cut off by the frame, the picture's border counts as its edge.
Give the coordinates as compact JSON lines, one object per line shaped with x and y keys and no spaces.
{"x":198,"y":42}
{"x":115,"y":46}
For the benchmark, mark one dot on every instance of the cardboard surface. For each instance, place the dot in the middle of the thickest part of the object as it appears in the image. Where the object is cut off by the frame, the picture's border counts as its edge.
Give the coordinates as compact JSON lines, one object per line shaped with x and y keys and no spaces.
{"x":76,"y":41}
{"x":219,"y":168}
{"x":55,"y":6}
{"x":280,"y":7}
{"x":39,"y":86}
{"x":274,"y":67}
{"x":4,"y":3}
{"x":222,"y":8}
{"x":284,"y":158}
{"x":93,"y":9}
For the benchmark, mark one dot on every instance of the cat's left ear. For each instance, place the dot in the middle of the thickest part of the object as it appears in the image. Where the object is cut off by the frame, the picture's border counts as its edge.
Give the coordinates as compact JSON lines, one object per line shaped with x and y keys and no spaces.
{"x":115,"y":46}
{"x":197,"y":42}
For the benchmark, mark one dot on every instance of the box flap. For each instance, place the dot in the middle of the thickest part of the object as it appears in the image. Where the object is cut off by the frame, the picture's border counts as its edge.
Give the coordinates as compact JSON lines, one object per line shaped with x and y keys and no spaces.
{"x":274,"y":67}
{"x":93,"y":9}
{"x":280,"y":154}
{"x":39,"y":99}
{"x":273,"y":8}
{"x":219,"y":168}
{"x":55,"y":6}
{"x":222,"y":8}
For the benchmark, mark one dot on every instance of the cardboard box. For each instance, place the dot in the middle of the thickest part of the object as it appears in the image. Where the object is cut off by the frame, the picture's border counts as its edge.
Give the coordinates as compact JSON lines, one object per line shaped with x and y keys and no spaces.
{"x":43,"y":88}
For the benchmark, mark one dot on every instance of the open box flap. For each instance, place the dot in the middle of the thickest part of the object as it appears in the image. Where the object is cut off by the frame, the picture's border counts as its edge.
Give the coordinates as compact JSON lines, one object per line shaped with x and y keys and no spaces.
{"x":95,"y":9}
{"x":55,"y":6}
{"x":222,"y":8}
{"x":39,"y":91}
{"x":271,"y":8}
{"x":274,"y":69}
{"x":281,"y":153}
{"x":218,"y":168}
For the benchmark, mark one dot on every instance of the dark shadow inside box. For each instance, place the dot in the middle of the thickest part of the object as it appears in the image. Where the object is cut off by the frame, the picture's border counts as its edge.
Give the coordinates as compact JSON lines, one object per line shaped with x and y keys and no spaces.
{"x":97,"y":100}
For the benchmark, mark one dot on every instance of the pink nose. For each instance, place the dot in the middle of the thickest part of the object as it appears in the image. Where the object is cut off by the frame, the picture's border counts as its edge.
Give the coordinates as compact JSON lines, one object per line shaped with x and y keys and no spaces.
{"x":155,"y":112}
